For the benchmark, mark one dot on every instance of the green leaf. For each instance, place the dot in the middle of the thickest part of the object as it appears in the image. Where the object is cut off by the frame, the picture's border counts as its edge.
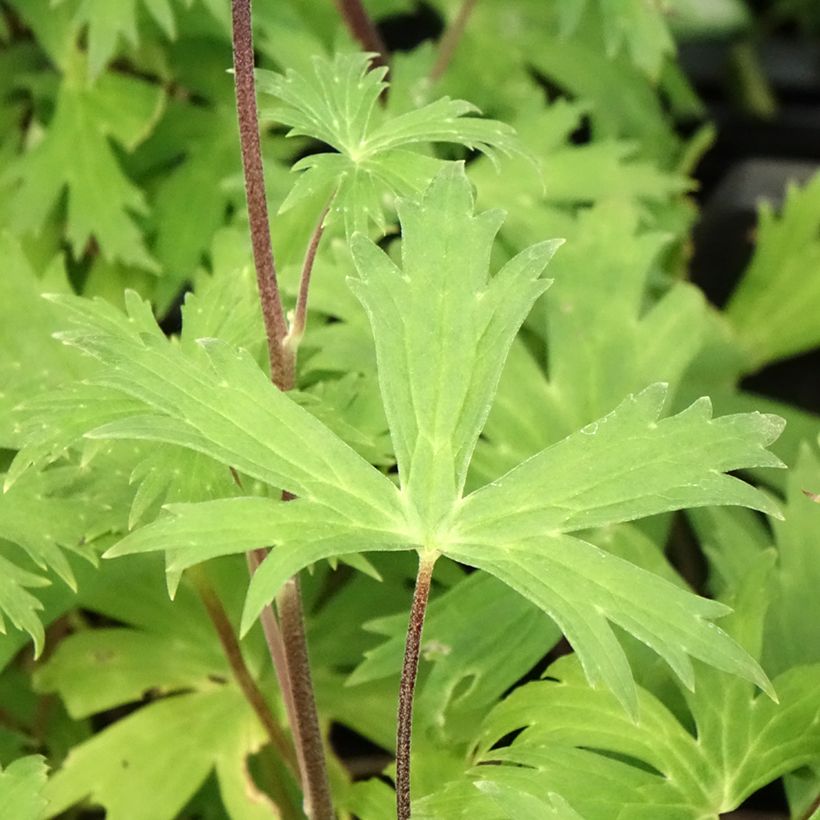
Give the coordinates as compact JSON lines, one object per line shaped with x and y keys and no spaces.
{"x":337,"y":104}
{"x":440,"y":358}
{"x":152,"y":762}
{"x":21,"y":788}
{"x":791,"y":637}
{"x":604,"y":337}
{"x":733,"y":542}
{"x":196,"y":720}
{"x":216,"y":400}
{"x":99,"y":669}
{"x":84,"y":121}
{"x":773,"y":307}
{"x":20,"y":606}
{"x":658,"y":765}
{"x":32,"y":361}
{"x":570,"y":173}
{"x":441,"y":340}
{"x":634,"y":25}
{"x":618,"y":469}
{"x":109,"y":24}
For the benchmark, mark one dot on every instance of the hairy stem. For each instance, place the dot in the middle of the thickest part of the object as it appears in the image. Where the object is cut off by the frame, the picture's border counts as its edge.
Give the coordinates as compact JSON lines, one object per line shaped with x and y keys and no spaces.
{"x":288,"y":648}
{"x":363,"y":29}
{"x":233,"y":654}
{"x":449,"y":42}
{"x":407,"y":686}
{"x":281,"y":360}
{"x":276,"y":649}
{"x":297,"y":326}
{"x":286,"y":640}
{"x":318,"y":804}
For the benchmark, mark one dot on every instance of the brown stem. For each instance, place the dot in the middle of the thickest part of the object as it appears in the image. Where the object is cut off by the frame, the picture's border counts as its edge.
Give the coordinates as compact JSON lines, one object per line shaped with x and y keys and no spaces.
{"x":363,"y":29}
{"x":318,"y":804}
{"x":276,"y":648}
{"x":281,"y":361}
{"x":407,"y":686}
{"x":812,"y":808}
{"x":297,"y":326}
{"x":233,"y":653}
{"x":286,"y":638}
{"x":449,"y":42}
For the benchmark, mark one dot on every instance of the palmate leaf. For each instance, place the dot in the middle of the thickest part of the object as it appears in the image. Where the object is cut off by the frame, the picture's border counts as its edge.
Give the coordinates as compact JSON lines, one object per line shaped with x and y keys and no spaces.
{"x":338,"y":104}
{"x":655,"y":767}
{"x":440,"y":357}
{"x":571,"y":174}
{"x":84,"y":120}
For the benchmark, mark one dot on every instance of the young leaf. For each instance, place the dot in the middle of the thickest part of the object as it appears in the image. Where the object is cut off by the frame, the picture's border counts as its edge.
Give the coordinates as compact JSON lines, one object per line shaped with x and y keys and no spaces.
{"x":337,"y":104}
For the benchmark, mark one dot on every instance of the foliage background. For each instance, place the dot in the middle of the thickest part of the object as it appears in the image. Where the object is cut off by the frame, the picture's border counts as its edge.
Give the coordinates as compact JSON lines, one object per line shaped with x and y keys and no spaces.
{"x":120,"y":168}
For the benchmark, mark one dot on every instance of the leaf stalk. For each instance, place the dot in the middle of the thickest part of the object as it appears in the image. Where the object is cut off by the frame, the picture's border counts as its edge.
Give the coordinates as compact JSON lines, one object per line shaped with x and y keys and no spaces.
{"x":299,"y":322}
{"x":233,"y":653}
{"x":449,"y":42}
{"x":410,"y":667}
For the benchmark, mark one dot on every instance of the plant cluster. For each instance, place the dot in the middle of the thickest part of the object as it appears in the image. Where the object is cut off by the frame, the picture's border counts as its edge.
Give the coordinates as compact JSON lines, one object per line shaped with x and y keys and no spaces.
{"x":384,"y":425}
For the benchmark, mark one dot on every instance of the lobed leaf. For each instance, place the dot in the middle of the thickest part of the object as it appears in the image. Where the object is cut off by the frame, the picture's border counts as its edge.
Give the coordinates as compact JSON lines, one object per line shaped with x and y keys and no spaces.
{"x":337,"y":104}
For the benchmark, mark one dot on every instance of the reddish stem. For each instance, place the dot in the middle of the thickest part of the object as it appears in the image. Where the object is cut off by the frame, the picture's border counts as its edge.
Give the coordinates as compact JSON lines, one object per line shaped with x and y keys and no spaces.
{"x":363,"y":29}
{"x":297,"y":326}
{"x":281,"y":361}
{"x":407,"y":686}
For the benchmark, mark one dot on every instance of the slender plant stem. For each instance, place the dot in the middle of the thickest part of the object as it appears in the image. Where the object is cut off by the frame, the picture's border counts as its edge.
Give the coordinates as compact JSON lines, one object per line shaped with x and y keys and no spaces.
{"x":363,"y":29}
{"x":289,"y":650}
{"x":407,"y":686}
{"x":276,"y":647}
{"x":281,"y":361}
{"x":811,"y":809}
{"x":318,"y":804}
{"x":233,"y":653}
{"x":297,"y":325}
{"x":449,"y":42}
